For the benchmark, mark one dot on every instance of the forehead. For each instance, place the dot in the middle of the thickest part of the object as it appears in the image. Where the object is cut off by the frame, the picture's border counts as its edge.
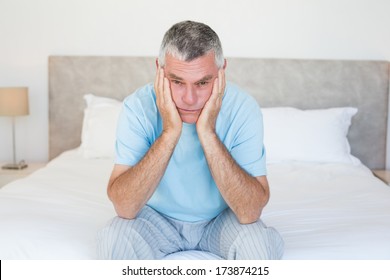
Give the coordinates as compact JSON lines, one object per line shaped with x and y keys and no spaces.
{"x":191,"y":70}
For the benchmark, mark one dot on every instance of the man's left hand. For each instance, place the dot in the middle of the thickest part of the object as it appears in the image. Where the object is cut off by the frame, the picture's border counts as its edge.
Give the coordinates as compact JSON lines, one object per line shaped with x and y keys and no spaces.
{"x":208,"y":117}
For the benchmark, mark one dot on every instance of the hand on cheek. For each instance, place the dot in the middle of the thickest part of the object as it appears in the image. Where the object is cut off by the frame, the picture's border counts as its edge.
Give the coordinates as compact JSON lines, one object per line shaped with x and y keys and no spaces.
{"x":172,"y":123}
{"x":208,"y":117}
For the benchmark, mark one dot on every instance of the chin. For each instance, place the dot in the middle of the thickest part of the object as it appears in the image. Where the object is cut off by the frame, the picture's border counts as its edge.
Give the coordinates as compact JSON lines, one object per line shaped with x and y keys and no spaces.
{"x":189,"y":119}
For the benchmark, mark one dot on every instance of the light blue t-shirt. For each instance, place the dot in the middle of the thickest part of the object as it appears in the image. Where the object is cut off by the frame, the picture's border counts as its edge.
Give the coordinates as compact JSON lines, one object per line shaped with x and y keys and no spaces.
{"x":187,"y":190}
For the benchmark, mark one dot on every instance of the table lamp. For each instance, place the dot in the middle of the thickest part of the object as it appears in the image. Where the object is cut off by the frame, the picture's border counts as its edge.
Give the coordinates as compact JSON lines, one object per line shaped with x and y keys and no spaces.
{"x":14,"y":102}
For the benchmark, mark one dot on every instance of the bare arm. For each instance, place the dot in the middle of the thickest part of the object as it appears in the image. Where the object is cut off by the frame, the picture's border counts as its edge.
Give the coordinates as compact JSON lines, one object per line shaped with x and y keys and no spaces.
{"x":129,"y":188}
{"x":246,"y":195}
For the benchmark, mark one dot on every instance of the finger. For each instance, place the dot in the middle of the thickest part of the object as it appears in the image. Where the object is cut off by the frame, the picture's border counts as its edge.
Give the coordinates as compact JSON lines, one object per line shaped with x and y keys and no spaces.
{"x":156,"y":78}
{"x":158,"y":81}
{"x":222,"y":82}
{"x":167,"y":91}
{"x":161,"y":84}
{"x":215,"y":91}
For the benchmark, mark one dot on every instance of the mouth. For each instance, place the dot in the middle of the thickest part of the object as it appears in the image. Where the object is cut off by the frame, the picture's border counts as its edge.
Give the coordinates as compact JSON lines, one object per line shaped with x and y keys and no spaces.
{"x":188,"y":111}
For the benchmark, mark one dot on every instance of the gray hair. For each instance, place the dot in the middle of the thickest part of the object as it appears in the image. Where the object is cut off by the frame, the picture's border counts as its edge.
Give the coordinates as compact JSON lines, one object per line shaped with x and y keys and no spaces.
{"x":188,"y":40}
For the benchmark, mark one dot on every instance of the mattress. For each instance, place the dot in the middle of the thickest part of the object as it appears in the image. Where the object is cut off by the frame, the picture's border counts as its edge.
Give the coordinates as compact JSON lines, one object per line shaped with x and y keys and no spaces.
{"x":323,"y":211}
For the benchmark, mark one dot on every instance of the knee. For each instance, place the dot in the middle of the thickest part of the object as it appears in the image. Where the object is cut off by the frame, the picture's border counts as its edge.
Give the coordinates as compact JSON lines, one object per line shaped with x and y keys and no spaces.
{"x":112,"y":238}
{"x":244,"y":241}
{"x":252,"y":241}
{"x":252,"y":233}
{"x":115,"y":228}
{"x":231,"y":223}
{"x":260,"y":242}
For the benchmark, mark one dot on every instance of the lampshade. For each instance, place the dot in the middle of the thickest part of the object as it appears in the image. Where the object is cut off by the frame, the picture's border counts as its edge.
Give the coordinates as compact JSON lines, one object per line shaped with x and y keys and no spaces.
{"x":14,"y":101}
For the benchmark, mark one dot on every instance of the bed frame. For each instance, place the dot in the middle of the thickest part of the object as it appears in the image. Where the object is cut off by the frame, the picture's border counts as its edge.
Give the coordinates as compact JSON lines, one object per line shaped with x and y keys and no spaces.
{"x":305,"y":84}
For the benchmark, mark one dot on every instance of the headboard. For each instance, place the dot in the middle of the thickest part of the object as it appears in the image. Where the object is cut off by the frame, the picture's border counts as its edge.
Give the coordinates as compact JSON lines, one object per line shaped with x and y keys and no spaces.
{"x":304,"y":84}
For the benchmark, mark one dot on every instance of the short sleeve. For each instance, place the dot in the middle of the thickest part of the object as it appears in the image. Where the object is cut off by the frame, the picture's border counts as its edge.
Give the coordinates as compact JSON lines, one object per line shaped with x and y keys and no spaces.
{"x":247,"y":148}
{"x":132,"y":141}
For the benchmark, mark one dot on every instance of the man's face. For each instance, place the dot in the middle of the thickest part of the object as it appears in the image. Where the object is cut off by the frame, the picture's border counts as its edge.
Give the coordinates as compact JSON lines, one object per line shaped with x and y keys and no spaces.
{"x":191,"y":84}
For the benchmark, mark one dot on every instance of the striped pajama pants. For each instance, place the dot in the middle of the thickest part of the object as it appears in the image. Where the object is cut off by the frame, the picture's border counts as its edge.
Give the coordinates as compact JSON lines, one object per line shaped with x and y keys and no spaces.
{"x":154,"y":236}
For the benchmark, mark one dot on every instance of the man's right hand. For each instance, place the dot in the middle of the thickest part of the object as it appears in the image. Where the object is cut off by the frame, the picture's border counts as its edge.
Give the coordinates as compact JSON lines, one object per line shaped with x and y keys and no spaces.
{"x":172,"y":123}
{"x":130,"y":187}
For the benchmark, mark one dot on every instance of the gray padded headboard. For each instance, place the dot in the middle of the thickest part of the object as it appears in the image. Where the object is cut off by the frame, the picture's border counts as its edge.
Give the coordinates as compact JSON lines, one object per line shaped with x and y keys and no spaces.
{"x":305,"y":84}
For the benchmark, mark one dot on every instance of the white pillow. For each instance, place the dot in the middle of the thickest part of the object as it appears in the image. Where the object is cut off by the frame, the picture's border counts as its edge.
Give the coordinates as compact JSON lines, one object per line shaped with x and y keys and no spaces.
{"x":99,"y":126}
{"x":308,"y":135}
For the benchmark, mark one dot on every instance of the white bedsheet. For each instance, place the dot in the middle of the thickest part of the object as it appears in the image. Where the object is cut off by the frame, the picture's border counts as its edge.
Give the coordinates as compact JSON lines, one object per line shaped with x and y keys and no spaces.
{"x":330,"y":211}
{"x":55,"y":212}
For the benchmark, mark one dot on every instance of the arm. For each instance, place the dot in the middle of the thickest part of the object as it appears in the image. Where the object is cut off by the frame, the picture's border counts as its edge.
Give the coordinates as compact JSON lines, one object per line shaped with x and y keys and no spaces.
{"x":246,"y":195}
{"x":129,"y":188}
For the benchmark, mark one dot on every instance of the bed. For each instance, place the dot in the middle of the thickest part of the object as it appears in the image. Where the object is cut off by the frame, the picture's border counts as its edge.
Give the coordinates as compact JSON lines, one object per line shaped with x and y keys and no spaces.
{"x":325,"y":127}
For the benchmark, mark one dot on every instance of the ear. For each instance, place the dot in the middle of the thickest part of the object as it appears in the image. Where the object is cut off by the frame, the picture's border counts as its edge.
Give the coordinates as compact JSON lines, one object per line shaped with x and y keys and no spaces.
{"x":224,"y":64}
{"x":157,"y":63}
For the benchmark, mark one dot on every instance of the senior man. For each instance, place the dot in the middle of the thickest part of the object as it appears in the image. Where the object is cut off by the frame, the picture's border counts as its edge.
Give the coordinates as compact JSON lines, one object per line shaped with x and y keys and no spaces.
{"x":190,"y":171}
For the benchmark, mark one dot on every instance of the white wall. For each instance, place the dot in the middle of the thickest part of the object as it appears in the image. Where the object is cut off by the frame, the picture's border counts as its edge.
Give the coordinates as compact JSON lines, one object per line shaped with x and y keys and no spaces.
{"x":30,"y":31}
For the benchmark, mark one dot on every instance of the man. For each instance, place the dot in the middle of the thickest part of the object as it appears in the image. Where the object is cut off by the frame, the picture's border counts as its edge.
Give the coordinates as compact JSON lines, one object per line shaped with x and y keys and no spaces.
{"x":190,"y":169}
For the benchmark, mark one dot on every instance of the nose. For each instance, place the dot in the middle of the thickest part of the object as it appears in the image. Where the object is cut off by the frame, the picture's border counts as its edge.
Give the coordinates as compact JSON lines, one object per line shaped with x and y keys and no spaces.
{"x":190,"y":97}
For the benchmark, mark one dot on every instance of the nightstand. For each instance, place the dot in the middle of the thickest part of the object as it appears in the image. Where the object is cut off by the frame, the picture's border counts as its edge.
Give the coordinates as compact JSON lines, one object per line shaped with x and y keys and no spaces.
{"x":9,"y":175}
{"x":384,"y":175}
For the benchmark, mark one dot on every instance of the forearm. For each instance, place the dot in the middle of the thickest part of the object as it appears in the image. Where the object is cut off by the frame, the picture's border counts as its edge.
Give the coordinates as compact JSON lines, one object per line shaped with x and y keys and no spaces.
{"x":130,"y":191}
{"x":243,"y":193}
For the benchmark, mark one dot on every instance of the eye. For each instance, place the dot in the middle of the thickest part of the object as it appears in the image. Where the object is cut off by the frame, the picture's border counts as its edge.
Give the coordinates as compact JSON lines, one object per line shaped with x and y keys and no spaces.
{"x":176,"y":82}
{"x":202,"y":83}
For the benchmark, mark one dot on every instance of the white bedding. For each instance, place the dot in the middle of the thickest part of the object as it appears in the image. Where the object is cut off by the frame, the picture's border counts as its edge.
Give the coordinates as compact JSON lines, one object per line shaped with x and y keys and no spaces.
{"x":323,"y":211}
{"x":55,"y":212}
{"x":329,"y":211}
